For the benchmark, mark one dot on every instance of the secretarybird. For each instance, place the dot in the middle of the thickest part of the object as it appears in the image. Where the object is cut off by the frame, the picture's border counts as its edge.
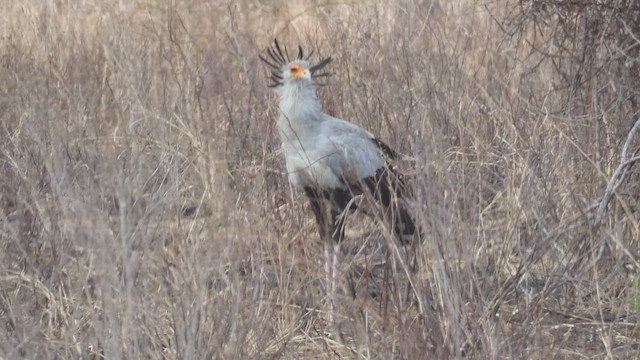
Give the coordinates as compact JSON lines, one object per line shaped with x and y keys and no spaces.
{"x":333,"y":160}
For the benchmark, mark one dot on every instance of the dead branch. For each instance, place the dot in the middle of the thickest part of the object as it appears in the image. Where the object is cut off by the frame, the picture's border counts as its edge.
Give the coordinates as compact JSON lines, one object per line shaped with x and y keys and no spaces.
{"x":619,"y":174}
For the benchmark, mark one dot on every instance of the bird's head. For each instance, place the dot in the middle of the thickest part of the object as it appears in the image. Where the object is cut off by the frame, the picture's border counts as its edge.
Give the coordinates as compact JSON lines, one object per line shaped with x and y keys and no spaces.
{"x":285,"y":71}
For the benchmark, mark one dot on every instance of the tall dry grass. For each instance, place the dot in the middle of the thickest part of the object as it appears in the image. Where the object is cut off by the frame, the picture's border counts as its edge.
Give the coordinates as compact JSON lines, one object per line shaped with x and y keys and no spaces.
{"x":146,"y":214}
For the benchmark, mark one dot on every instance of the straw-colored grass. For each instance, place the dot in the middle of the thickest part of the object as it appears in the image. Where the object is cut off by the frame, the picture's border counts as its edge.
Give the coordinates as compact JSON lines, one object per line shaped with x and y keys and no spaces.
{"x":145,"y":212}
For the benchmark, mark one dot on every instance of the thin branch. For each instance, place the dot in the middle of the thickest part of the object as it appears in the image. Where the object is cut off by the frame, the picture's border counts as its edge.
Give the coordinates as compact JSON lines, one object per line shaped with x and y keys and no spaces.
{"x":620,"y":173}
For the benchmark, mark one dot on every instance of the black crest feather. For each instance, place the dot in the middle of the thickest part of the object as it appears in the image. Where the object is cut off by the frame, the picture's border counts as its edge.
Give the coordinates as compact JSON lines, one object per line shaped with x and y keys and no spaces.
{"x":278,"y":58}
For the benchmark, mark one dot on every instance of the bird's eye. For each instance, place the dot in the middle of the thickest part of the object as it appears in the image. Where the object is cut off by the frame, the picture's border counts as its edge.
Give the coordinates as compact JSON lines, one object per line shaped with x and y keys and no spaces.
{"x":294,"y":68}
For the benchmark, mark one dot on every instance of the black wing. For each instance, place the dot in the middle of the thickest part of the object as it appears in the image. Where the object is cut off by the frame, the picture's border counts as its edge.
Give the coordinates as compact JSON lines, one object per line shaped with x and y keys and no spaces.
{"x":389,"y":189}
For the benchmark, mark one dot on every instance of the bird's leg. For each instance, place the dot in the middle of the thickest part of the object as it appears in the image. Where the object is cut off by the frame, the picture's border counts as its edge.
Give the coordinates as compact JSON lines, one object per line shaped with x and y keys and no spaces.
{"x":329,"y":270}
{"x":326,"y":221}
{"x":319,"y":208}
{"x":328,"y":208}
{"x":334,"y":274}
{"x":332,"y":249}
{"x":340,"y":200}
{"x":338,"y":218}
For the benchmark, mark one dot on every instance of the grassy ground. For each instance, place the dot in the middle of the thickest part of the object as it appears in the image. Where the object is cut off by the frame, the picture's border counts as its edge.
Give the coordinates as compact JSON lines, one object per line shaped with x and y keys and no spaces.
{"x":145,"y":212}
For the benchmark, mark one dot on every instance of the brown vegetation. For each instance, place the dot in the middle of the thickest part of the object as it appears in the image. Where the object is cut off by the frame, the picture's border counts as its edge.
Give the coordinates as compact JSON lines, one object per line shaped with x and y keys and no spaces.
{"x":144,"y":212}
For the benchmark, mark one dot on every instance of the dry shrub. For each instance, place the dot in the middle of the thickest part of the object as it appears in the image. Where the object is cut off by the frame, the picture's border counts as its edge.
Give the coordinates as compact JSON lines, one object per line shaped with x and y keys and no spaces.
{"x":146,"y":214}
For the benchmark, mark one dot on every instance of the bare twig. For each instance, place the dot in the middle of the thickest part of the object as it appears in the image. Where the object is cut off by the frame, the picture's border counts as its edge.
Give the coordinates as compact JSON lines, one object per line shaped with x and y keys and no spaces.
{"x":621,"y":171}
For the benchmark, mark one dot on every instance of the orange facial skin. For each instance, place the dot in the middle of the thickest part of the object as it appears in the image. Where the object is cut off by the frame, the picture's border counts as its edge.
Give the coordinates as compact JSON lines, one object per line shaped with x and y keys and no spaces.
{"x":296,"y":71}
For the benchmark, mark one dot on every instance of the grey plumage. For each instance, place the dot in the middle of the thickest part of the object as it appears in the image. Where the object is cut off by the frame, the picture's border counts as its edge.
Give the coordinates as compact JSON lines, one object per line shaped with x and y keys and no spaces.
{"x":332,"y":160}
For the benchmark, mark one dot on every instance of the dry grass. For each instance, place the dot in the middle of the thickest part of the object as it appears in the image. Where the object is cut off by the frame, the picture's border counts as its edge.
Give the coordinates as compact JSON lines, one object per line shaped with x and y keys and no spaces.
{"x":116,"y":117}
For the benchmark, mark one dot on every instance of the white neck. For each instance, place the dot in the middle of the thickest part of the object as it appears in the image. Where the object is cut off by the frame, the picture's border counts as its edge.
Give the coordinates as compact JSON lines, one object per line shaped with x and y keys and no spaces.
{"x":300,"y":110}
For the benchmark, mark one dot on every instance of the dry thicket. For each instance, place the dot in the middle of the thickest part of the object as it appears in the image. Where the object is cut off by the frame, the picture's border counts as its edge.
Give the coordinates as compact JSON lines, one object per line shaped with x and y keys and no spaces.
{"x":145,"y":213}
